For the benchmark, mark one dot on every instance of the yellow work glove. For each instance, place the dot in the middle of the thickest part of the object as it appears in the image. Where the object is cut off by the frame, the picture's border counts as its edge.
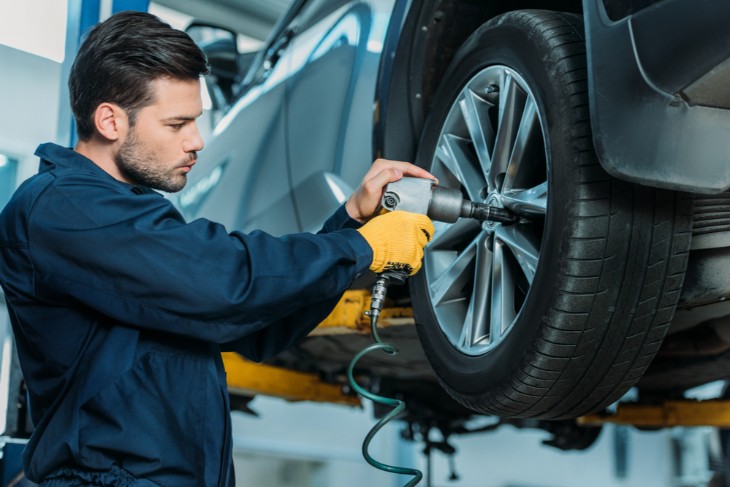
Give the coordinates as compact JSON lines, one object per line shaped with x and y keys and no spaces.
{"x":397,"y":239}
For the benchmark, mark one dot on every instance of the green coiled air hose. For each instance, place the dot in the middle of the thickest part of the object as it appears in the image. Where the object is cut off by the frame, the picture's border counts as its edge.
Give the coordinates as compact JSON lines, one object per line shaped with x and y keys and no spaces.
{"x":379,"y":291}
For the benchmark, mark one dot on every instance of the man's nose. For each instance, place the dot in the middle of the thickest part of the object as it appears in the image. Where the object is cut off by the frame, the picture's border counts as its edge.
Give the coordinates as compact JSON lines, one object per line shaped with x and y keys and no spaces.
{"x":194,"y":142}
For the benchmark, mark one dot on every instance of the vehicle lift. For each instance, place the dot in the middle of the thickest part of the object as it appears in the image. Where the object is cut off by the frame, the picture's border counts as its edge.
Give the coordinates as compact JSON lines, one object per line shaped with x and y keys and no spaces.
{"x":249,"y":378}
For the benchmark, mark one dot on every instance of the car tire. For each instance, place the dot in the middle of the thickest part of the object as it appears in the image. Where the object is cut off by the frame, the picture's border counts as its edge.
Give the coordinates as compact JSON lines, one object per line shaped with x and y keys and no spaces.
{"x":559,"y":314}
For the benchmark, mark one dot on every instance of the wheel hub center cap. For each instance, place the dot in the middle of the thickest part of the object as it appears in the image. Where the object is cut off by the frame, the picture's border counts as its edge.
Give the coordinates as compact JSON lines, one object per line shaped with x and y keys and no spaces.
{"x":493,"y":199}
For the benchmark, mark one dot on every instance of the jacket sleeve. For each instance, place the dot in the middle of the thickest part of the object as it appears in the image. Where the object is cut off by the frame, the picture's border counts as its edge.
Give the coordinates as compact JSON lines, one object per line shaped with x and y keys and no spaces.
{"x":132,"y":257}
{"x":289,"y":330}
{"x":281,"y":334}
{"x":339,"y":220}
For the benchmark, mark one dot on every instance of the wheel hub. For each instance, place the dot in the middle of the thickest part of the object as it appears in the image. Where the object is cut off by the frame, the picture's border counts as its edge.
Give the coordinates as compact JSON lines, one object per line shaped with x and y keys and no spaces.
{"x":494,"y":199}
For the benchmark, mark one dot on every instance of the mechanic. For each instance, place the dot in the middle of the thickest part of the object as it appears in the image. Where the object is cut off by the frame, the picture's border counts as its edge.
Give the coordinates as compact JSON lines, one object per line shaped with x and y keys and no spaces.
{"x":120,"y":309}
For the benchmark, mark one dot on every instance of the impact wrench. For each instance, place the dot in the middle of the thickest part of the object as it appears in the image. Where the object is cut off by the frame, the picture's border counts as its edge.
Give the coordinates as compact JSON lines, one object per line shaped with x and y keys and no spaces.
{"x":423,"y":196}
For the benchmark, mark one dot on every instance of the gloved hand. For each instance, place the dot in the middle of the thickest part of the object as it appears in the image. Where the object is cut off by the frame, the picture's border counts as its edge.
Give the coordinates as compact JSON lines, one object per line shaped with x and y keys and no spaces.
{"x":397,"y":239}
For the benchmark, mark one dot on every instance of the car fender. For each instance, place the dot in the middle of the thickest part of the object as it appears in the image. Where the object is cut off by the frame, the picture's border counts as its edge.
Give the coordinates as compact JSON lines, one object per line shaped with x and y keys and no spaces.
{"x":658,"y":93}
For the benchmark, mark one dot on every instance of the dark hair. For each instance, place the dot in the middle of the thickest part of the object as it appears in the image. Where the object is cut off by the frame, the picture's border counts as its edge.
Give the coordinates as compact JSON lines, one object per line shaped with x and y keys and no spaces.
{"x":121,"y":57}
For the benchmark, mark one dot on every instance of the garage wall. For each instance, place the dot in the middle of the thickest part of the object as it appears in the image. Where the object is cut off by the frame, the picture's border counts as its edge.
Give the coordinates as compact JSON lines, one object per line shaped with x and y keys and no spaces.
{"x":305,"y":444}
{"x":29,"y":97}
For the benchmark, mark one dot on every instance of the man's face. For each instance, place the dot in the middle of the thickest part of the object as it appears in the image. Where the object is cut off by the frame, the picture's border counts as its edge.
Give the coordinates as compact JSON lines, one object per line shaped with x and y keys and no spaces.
{"x":161,"y":147}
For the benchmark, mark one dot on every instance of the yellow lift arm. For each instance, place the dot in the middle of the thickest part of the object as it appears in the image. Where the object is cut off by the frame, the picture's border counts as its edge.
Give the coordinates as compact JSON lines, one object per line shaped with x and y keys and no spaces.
{"x":249,"y":378}
{"x":670,"y":413}
{"x":349,"y":316}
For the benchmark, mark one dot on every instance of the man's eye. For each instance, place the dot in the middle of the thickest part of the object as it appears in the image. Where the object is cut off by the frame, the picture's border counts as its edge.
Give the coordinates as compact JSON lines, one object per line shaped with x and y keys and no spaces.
{"x":177,"y":126}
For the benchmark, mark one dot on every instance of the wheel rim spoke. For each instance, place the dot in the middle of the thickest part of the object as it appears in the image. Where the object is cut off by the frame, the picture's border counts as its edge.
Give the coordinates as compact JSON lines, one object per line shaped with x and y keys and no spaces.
{"x":454,"y":153}
{"x":475,"y":110}
{"x":528,"y":133}
{"x":477,"y":317}
{"x":502,"y":295}
{"x":531,"y":201}
{"x":519,"y":240}
{"x":447,"y":236}
{"x":511,"y":103}
{"x":449,"y":285}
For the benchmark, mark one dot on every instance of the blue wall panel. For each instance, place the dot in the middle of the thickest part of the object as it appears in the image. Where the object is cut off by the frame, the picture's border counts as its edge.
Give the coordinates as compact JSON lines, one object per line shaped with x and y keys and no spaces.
{"x":121,"y":5}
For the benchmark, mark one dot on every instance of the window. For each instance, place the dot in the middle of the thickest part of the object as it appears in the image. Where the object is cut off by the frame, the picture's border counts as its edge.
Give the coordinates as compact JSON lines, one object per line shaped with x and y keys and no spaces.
{"x":21,"y":27}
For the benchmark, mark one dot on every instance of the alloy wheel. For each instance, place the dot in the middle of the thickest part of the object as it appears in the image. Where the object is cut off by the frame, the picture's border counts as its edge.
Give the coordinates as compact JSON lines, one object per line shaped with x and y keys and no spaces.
{"x":492,"y":145}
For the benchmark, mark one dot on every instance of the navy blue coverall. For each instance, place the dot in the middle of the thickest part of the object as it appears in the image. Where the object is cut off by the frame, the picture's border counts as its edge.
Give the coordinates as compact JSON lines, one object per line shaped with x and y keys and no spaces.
{"x":120,"y":310}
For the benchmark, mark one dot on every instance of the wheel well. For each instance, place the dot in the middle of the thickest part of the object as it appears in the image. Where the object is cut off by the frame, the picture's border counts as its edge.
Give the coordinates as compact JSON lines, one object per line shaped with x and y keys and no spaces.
{"x":432,"y":33}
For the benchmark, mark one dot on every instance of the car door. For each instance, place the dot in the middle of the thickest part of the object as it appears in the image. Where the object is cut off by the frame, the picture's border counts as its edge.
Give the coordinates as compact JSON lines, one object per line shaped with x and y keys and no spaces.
{"x":241,"y":178}
{"x":331,"y":89}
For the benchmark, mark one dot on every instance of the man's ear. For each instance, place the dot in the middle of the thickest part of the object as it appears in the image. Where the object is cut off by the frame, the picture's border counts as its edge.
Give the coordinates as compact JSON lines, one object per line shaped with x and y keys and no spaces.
{"x":111,"y":121}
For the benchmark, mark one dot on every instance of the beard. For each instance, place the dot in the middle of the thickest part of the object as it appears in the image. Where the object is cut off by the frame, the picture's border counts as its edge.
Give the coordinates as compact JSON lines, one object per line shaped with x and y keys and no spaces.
{"x":138,"y":164}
